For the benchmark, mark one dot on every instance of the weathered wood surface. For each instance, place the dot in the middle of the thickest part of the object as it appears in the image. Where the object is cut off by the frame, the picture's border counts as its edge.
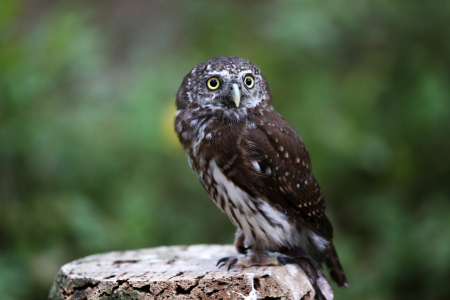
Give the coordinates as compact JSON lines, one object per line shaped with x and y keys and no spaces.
{"x":178,"y":272}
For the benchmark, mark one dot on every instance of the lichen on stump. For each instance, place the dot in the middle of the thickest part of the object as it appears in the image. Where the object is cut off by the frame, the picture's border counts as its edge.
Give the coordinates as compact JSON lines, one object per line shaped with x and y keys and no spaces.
{"x":177,"y":272}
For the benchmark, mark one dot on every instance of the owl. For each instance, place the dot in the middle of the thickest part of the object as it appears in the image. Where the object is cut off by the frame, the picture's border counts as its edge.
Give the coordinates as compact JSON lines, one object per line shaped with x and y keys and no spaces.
{"x":256,"y":169}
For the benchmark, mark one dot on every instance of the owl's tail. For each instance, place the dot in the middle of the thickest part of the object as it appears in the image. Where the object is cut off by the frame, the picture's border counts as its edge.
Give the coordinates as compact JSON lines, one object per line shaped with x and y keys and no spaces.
{"x":334,"y":266}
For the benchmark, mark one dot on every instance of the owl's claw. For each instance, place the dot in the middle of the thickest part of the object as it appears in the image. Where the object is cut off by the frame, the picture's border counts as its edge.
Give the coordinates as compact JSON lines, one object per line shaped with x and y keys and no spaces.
{"x":281,"y":260}
{"x":222,"y":261}
{"x":251,"y":260}
{"x":232,"y":262}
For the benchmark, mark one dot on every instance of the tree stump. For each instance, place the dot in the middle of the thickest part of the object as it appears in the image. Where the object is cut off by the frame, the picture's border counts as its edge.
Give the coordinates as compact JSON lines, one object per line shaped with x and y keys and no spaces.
{"x":178,"y":272}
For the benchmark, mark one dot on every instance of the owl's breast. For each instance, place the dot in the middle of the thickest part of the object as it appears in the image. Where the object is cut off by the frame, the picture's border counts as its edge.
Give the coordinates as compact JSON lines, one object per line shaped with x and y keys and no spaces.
{"x":265,"y":227}
{"x":207,"y":139}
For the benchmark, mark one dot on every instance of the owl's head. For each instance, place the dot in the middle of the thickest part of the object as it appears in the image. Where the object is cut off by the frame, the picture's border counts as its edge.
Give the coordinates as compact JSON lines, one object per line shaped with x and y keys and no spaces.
{"x":228,"y":84}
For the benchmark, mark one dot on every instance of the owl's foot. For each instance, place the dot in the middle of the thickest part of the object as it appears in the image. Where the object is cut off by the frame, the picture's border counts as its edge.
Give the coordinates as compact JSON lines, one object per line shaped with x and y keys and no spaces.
{"x":251,"y":260}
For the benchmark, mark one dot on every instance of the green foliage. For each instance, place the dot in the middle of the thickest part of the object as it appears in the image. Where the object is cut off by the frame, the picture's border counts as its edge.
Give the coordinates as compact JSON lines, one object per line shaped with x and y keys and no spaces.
{"x":89,"y":161}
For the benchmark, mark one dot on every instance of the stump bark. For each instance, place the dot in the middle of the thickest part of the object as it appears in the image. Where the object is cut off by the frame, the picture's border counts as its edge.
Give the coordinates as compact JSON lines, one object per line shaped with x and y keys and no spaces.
{"x":178,"y":272}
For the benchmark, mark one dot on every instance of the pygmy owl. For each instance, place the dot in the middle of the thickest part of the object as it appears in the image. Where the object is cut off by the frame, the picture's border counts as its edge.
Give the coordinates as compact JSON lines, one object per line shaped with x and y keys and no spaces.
{"x":255,"y":168}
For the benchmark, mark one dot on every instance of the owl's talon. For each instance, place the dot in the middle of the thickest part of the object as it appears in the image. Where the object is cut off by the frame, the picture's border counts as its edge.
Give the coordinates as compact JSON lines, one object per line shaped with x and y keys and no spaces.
{"x":222,"y":260}
{"x":228,"y":261}
{"x":232,"y":262}
{"x":281,"y":260}
{"x":251,"y":260}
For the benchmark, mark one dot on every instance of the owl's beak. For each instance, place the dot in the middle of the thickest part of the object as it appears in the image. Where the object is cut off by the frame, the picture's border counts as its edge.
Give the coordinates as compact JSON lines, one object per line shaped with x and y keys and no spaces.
{"x":235,"y":93}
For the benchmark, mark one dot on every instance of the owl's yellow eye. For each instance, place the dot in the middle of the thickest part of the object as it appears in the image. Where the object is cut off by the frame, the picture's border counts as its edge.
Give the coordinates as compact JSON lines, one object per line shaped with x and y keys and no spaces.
{"x":213,"y":83}
{"x":249,"y":81}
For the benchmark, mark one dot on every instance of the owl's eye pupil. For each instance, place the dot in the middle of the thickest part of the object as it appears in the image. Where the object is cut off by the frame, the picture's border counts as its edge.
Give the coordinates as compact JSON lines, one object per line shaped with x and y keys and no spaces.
{"x":213,"y":82}
{"x":248,"y":81}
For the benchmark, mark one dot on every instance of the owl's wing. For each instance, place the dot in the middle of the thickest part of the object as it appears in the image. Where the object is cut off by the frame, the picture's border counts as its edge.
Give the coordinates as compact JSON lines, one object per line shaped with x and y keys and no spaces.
{"x":284,"y":174}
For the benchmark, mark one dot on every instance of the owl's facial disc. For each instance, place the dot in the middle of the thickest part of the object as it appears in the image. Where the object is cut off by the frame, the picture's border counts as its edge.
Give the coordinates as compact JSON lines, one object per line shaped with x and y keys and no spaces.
{"x":230,"y":88}
{"x":228,"y":92}
{"x":226,"y":85}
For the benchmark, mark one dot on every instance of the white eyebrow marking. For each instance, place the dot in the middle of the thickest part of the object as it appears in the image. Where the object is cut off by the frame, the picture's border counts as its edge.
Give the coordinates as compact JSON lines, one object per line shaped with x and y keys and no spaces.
{"x":223,"y":73}
{"x":244,"y":72}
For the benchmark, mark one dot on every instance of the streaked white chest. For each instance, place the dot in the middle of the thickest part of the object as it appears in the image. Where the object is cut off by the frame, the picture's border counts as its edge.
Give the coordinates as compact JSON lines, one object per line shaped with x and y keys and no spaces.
{"x":264,"y":226}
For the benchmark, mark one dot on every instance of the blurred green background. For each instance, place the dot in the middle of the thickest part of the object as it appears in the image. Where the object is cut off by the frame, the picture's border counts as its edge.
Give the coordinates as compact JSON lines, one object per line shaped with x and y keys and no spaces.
{"x":89,"y":161}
